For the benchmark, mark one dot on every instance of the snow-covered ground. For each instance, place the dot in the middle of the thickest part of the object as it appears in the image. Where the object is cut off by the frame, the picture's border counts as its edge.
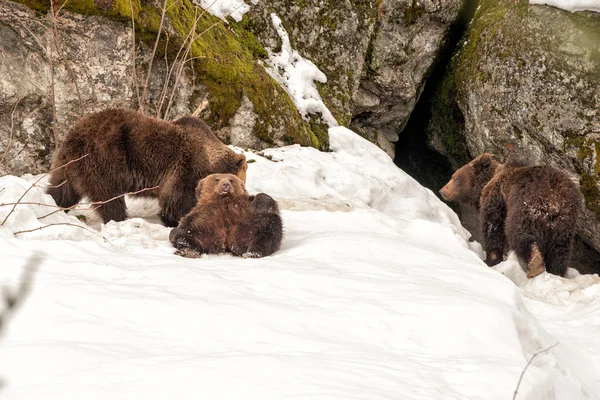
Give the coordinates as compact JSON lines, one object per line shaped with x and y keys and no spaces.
{"x":571,"y":5}
{"x":376,"y":294}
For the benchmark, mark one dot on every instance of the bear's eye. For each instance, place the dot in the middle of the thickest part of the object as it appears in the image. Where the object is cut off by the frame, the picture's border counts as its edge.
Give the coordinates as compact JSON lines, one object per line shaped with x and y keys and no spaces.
{"x":456,"y":179}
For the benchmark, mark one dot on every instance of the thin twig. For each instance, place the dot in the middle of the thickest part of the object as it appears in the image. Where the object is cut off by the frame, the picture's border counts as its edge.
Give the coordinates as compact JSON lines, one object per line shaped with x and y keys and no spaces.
{"x":52,"y":186}
{"x":52,"y":94}
{"x":160,"y":27}
{"x":10,"y":136}
{"x":56,"y":224}
{"x":35,"y":183}
{"x":185,"y":57}
{"x":95,"y":203}
{"x":134,"y":74}
{"x":527,"y":366}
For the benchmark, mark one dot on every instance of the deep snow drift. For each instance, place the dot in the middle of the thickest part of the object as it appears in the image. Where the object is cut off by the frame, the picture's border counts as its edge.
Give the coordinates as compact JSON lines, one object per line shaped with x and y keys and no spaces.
{"x":375,"y":294}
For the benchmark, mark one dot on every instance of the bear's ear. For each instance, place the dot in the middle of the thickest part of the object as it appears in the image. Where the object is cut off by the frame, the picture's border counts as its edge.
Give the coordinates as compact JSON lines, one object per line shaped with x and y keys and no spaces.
{"x":242,"y":167}
{"x":199,"y":188}
{"x":484,"y":161}
{"x":240,"y":160}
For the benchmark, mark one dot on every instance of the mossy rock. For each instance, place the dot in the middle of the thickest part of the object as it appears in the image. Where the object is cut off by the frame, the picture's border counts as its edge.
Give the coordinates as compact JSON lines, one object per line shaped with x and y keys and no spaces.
{"x":226,"y":61}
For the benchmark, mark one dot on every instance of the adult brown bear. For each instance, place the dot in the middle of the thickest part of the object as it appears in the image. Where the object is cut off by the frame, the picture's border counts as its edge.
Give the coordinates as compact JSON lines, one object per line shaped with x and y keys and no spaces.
{"x":126,"y":151}
{"x":227,"y":219}
{"x":534,"y":208}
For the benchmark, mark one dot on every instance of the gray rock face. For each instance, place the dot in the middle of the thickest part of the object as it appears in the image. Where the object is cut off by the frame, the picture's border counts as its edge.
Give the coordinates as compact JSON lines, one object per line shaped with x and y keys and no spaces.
{"x":376,"y":55}
{"x":527,"y":83}
{"x":407,"y":41}
{"x":83,"y":80}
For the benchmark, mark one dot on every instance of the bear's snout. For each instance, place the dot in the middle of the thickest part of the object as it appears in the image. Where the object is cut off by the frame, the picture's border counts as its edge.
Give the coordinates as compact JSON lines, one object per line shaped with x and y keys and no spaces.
{"x":225,"y":187}
{"x":443,"y":193}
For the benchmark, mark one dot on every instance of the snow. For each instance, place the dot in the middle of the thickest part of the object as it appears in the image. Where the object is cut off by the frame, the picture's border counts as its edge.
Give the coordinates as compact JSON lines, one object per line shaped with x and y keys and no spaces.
{"x":224,"y":8}
{"x":376,"y":293}
{"x":297,"y":75}
{"x":571,"y":5}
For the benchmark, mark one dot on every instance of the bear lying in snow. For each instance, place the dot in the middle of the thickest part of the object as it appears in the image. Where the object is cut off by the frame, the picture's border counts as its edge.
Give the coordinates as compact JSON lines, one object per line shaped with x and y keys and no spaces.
{"x":126,"y":151}
{"x":227,"y":219}
{"x":534,"y":208}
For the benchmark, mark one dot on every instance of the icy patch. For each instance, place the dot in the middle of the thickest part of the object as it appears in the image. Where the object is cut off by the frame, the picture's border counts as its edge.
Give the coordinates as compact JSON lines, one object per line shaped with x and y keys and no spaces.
{"x":224,"y":8}
{"x":296,"y":75}
{"x":571,"y":5}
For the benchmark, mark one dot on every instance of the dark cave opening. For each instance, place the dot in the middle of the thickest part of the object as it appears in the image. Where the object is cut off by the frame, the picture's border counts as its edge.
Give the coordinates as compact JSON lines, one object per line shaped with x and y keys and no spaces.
{"x":413,"y":154}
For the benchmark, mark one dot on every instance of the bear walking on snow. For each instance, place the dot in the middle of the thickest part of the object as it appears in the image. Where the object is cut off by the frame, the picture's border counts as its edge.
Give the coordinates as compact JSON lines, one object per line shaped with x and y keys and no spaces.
{"x":227,"y":219}
{"x":534,"y":208}
{"x":128,"y":151}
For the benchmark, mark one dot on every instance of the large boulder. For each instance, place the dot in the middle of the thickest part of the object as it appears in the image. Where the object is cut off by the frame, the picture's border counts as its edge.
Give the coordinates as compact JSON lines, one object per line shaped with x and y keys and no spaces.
{"x":376,"y":55}
{"x":526,"y":82}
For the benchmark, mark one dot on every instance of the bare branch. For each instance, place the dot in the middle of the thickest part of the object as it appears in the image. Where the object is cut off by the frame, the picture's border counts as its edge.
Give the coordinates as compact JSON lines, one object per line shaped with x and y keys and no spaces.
{"x":527,"y":366}
{"x":57,"y":224}
{"x":95,"y":203}
{"x":36,"y":182}
{"x":12,"y":124}
{"x":134,"y":73}
{"x":160,"y":27}
{"x":185,"y":57}
{"x":51,"y":59}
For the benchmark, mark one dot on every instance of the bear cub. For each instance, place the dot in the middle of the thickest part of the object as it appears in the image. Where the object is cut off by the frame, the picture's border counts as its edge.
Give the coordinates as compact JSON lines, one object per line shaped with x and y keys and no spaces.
{"x":126,"y":151}
{"x":533,"y":208}
{"x":227,"y":219}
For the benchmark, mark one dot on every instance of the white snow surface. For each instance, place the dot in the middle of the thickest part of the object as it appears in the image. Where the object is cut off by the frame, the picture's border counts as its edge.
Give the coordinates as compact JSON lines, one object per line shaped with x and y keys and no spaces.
{"x":376,"y":293}
{"x":297,"y":75}
{"x":571,"y":5}
{"x":224,"y":8}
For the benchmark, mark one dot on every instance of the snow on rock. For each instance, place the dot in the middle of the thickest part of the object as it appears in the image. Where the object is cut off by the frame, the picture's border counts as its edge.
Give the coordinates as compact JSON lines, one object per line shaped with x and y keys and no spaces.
{"x":296,"y":75}
{"x":224,"y":8}
{"x":571,"y":5}
{"x":375,"y":294}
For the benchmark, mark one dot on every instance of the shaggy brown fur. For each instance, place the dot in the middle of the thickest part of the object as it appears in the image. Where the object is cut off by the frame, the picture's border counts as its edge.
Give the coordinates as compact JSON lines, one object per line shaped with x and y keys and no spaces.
{"x":128,"y":151}
{"x":534,"y":208}
{"x":227,"y":219}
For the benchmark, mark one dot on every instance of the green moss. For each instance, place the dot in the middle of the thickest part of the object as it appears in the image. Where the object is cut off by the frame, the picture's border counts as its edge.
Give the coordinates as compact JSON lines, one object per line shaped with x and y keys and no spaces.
{"x":591,"y":194}
{"x":413,"y":12}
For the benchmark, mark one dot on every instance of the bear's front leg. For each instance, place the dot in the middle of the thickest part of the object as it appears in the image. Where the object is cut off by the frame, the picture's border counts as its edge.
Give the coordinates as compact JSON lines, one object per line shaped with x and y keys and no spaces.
{"x":492,"y":214}
{"x":185,"y":245}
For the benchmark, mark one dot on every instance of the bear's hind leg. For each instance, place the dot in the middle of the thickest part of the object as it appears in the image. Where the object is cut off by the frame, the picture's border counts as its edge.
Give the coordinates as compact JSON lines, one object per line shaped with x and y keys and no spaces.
{"x":535,"y":261}
{"x":175,"y":200}
{"x":115,"y":210}
{"x":558,"y":255}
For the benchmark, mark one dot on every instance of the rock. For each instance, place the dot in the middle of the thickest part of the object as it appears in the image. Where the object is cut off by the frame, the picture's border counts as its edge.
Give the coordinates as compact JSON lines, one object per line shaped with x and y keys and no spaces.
{"x":526,"y":83}
{"x":407,"y":41}
{"x":376,"y":55}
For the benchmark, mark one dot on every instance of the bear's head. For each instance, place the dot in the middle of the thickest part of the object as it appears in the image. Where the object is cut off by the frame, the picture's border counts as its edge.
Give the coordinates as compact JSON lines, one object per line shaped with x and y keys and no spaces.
{"x":218,"y":186}
{"x":466,"y":184}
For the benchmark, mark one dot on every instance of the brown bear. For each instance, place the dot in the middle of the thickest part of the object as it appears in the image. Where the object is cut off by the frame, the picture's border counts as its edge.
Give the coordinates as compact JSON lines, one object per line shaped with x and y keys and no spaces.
{"x":128,"y":151}
{"x":227,"y":219}
{"x":534,"y":208}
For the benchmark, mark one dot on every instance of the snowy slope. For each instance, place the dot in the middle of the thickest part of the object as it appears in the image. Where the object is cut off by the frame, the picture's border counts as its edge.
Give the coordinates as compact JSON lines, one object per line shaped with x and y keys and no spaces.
{"x":375,"y":294}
